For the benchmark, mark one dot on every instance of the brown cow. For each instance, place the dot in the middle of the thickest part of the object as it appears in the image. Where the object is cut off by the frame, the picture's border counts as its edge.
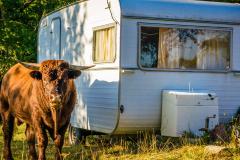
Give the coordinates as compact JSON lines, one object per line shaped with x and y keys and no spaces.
{"x":43,"y":96}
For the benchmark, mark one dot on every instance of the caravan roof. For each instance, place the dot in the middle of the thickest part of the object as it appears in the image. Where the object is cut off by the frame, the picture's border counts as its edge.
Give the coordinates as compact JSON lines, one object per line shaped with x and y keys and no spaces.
{"x":182,"y":10}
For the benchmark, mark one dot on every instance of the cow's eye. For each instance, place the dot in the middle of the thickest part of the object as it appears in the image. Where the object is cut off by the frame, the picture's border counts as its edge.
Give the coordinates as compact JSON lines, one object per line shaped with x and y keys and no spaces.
{"x":53,"y":75}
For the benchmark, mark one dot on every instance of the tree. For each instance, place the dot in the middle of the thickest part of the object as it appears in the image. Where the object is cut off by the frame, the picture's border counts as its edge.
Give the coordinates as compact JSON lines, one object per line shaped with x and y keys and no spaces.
{"x":18,"y":29}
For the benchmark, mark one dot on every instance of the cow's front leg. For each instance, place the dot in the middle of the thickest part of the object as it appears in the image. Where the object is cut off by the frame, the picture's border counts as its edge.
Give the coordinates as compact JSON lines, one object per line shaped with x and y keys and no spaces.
{"x":59,"y":141}
{"x":42,"y":140}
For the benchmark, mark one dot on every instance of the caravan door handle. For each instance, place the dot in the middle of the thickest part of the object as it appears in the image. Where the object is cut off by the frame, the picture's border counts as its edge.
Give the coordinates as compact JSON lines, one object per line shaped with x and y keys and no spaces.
{"x":127,"y":71}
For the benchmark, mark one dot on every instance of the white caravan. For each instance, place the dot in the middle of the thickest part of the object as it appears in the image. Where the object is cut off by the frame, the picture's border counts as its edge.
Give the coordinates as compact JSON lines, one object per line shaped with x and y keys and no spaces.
{"x":141,"y":48}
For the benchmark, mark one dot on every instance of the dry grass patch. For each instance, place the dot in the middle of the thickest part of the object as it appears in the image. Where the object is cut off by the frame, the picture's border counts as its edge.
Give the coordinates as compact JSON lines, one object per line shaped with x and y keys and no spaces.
{"x":145,"y":147}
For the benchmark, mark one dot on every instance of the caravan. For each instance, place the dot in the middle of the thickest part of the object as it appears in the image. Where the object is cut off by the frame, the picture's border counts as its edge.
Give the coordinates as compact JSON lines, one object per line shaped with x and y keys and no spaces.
{"x":141,"y":48}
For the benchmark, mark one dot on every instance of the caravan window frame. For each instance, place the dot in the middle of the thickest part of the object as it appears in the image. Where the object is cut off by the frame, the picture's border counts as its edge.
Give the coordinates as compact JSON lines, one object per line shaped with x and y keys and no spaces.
{"x":184,"y":26}
{"x":111,"y":25}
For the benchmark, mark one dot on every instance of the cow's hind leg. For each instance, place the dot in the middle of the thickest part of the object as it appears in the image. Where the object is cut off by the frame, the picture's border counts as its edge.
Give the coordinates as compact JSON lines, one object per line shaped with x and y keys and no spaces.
{"x":8,"y":126}
{"x":30,"y":136}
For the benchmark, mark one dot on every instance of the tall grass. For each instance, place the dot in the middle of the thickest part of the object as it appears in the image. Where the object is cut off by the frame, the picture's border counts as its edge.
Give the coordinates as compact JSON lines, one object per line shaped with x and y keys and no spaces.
{"x":144,"y":145}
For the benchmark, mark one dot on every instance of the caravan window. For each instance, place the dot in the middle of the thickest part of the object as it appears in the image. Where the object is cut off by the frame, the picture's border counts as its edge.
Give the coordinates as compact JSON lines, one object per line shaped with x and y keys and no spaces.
{"x":104,"y":43}
{"x":185,"y":48}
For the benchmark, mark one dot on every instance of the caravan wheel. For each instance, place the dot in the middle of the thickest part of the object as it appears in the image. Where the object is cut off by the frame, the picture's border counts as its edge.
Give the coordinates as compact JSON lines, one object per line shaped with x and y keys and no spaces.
{"x":76,"y":135}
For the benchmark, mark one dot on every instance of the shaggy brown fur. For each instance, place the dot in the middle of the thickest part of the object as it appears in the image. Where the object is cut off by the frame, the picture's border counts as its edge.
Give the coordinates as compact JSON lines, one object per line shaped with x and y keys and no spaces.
{"x":43,"y":100}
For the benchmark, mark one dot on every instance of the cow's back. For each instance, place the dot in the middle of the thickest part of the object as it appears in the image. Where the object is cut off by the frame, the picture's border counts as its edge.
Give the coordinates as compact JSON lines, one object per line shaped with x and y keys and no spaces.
{"x":16,"y":87}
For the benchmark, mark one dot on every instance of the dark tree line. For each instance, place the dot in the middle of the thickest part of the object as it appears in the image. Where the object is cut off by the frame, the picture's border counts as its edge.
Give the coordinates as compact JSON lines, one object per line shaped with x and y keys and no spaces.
{"x":18,"y":28}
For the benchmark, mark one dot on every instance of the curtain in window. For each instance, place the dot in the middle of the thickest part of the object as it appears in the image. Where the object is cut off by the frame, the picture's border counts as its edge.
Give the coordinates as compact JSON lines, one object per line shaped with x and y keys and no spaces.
{"x":193,"y":49}
{"x":104,"y":49}
{"x":168,"y":51}
{"x":213,"y":51}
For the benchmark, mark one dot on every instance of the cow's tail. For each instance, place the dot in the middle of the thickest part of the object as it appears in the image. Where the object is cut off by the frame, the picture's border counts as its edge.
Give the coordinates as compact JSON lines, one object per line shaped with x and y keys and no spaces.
{"x":2,"y":106}
{"x":0,"y":87}
{"x":0,"y":83}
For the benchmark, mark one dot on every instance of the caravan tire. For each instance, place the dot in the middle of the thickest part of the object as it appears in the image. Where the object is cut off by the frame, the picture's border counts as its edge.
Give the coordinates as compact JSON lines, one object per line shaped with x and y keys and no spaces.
{"x":76,"y":135}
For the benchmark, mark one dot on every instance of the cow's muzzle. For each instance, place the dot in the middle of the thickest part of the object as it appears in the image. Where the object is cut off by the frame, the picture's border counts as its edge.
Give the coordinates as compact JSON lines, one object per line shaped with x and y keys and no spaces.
{"x":55,"y":101}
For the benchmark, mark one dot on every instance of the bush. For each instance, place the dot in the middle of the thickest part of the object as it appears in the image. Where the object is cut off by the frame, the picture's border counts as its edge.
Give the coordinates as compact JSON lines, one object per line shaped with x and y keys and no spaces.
{"x":17,"y":42}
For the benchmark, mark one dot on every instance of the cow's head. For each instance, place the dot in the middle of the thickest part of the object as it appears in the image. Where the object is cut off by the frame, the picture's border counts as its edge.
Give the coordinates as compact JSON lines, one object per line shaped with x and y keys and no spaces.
{"x":55,"y":76}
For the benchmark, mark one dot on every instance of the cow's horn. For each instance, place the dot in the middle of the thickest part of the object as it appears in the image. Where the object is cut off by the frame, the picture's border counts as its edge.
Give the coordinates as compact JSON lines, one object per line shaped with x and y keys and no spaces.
{"x":32,"y":66}
{"x":80,"y":67}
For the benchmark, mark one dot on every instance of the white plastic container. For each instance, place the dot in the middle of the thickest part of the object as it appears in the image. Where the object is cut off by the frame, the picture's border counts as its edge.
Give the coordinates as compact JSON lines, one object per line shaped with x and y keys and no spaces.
{"x":187,"y":111}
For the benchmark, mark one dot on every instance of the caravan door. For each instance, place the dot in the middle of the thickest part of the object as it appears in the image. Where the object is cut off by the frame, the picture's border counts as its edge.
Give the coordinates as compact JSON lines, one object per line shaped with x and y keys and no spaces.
{"x":55,"y":48}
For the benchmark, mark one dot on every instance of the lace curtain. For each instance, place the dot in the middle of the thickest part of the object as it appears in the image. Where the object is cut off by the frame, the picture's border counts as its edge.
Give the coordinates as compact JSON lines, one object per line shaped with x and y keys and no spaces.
{"x":193,"y":49}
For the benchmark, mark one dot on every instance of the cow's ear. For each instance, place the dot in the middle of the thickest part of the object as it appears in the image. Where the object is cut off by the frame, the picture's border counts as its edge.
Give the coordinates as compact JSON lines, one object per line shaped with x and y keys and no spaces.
{"x":72,"y":74}
{"x":36,"y":75}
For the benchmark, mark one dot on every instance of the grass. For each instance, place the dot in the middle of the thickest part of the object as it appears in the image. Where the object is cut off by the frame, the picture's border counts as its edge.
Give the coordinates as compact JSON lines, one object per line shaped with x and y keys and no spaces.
{"x":145,"y":147}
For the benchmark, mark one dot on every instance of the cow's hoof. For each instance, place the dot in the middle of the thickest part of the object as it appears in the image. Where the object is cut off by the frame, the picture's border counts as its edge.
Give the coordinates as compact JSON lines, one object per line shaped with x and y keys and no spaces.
{"x":9,"y":158}
{"x":41,"y":158}
{"x":32,"y":157}
{"x":58,"y":157}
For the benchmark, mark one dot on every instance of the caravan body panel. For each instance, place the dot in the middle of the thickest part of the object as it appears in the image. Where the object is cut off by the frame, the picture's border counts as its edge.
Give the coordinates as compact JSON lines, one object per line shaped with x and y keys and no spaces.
{"x":68,"y":34}
{"x":141,"y":88}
